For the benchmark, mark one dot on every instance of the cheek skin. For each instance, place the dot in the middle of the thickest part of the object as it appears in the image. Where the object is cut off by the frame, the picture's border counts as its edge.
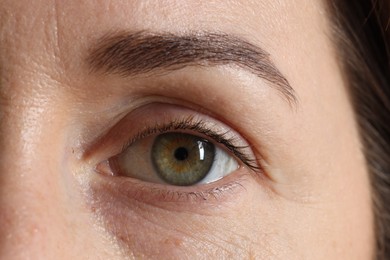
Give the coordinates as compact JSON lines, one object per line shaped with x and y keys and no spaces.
{"x":228,"y":226}
{"x":322,"y":157}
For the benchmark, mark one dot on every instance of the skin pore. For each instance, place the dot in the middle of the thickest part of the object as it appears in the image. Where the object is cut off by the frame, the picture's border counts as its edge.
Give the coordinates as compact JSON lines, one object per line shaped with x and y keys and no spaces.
{"x":62,"y":120}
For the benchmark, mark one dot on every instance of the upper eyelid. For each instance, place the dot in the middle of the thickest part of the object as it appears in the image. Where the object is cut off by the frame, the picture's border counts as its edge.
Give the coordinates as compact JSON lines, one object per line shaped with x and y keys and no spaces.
{"x":132,"y":126}
{"x":197,"y":125}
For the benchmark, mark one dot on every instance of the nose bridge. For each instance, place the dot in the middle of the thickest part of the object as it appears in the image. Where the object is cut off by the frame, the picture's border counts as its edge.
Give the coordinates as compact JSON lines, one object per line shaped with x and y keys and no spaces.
{"x":30,"y":185}
{"x":32,"y":191}
{"x":25,"y":111}
{"x":40,"y":203}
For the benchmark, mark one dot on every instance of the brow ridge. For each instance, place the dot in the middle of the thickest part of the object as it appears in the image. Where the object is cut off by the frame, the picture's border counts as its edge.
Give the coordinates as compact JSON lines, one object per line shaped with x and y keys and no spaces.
{"x":130,"y":54}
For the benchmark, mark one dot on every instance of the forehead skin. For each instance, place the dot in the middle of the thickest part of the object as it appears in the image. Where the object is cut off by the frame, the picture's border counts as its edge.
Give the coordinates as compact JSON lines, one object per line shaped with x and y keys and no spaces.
{"x":316,"y":203}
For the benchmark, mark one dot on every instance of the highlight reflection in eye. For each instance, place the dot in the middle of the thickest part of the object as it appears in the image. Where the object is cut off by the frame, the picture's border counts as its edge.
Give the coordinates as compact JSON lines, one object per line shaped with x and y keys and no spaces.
{"x":174,"y":158}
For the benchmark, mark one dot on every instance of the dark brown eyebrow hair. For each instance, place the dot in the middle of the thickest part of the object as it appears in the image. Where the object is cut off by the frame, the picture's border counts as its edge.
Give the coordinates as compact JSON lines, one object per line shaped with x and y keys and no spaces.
{"x":130,"y":54}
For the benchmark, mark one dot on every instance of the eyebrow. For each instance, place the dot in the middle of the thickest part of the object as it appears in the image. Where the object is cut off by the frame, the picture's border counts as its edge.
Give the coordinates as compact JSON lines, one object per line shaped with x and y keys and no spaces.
{"x":131,"y":54}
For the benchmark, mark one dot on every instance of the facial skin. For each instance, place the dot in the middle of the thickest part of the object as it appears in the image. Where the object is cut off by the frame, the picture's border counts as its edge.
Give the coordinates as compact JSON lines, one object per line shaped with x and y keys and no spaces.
{"x":61,"y":120}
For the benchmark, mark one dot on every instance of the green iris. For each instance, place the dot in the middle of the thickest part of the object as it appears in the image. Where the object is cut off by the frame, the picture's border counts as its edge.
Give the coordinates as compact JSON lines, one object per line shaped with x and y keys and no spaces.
{"x":182,"y":159}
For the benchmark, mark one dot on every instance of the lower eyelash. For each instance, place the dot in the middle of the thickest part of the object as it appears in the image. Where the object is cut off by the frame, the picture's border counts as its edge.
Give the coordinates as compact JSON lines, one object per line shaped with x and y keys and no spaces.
{"x":157,"y":193}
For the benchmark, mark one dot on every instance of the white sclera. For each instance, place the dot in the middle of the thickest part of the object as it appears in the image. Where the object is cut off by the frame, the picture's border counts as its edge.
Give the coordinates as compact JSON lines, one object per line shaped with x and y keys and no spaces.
{"x":223,"y":165}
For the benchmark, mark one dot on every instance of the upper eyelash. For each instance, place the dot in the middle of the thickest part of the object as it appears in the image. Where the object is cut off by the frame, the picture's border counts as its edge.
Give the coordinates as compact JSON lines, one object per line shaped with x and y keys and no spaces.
{"x":198,"y":125}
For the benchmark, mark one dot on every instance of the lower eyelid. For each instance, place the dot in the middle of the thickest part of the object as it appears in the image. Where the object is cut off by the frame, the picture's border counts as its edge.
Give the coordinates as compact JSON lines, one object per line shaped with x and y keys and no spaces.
{"x":128,"y":190}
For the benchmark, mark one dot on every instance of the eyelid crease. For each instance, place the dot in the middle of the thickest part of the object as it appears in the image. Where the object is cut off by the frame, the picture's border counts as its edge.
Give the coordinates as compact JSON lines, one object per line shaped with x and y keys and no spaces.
{"x":199,"y":126}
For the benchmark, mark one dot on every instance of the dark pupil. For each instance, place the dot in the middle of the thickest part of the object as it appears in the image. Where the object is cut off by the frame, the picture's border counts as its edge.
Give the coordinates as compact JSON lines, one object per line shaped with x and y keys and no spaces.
{"x":181,"y":154}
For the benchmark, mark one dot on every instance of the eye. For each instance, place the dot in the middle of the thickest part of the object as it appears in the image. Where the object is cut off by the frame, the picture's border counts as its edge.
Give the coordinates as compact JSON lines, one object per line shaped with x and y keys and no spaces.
{"x":175,"y":158}
{"x":159,"y":150}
